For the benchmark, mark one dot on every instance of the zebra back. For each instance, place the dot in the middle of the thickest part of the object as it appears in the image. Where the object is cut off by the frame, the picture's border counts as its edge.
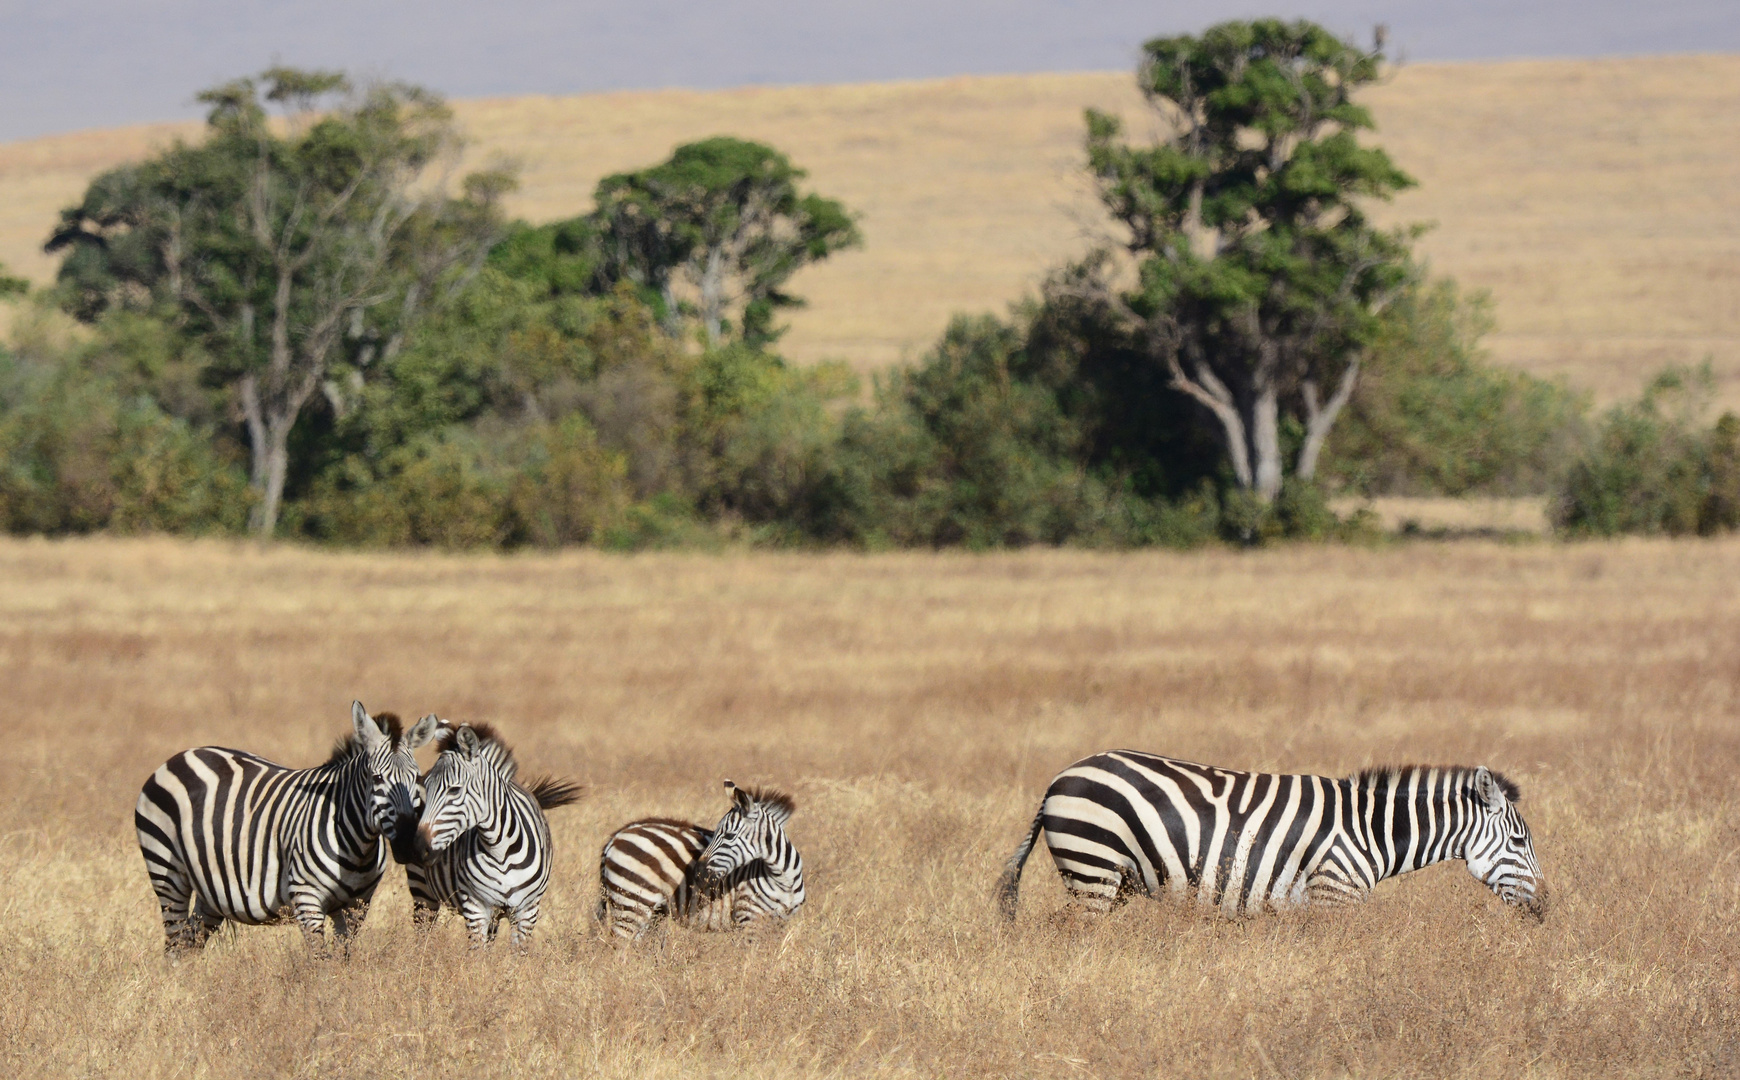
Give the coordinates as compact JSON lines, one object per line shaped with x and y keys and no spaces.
{"x":646,"y":869}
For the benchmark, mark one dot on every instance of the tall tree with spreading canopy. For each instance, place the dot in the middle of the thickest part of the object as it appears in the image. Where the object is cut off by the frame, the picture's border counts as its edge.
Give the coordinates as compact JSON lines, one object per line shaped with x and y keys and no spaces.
{"x":718,"y":230}
{"x":1260,"y":279}
{"x":299,"y":251}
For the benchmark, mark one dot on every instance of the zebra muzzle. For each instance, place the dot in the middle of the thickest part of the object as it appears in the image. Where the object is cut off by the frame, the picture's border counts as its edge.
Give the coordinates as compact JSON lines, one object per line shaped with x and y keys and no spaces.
{"x":404,"y":842}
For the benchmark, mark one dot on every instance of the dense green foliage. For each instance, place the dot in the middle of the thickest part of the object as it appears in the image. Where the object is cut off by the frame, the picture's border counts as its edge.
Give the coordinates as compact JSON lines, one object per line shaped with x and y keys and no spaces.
{"x":725,"y":217}
{"x":1651,"y":466}
{"x":273,"y":331}
{"x":1261,"y":281}
{"x":115,"y":435}
{"x":1431,"y":417}
{"x":296,"y":255}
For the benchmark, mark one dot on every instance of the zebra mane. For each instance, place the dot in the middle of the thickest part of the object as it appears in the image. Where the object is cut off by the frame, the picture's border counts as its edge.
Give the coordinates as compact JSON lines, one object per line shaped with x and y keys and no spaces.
{"x":1505,"y":783}
{"x":347,"y":746}
{"x":771,"y":797}
{"x":447,"y":737}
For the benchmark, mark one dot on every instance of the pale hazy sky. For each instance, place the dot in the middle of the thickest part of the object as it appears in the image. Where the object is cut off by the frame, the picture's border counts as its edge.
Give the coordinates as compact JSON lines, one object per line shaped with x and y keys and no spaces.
{"x":70,"y":64}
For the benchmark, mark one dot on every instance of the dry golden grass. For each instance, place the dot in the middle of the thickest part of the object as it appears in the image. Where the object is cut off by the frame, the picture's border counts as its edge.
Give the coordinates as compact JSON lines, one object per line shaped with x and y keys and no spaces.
{"x":1598,"y":200}
{"x":917,"y":704}
{"x":1462,"y":516}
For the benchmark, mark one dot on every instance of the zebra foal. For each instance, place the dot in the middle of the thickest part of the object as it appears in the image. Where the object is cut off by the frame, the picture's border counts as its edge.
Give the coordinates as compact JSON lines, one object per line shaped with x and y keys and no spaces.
{"x":1123,"y":822}
{"x":742,"y":871}
{"x":229,"y":835}
{"x":485,"y":843}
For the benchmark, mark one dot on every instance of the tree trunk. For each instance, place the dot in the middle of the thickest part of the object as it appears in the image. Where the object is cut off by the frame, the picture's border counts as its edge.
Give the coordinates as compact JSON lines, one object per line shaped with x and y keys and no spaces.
{"x":1203,"y":385}
{"x":713,"y":294}
{"x":277,"y":467}
{"x":1320,"y":418}
{"x":1266,"y":443}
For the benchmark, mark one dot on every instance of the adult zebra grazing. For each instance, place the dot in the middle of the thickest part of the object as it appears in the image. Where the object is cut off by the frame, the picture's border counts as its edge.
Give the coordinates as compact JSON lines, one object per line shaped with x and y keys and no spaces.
{"x":1125,"y":821}
{"x":230,"y":835}
{"x":486,"y":844}
{"x":732,"y":876}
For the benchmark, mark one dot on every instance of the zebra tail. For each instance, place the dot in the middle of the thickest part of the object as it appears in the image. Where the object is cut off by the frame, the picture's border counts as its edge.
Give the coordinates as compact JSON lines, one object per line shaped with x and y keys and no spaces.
{"x":551,"y":792}
{"x":1009,"y":885}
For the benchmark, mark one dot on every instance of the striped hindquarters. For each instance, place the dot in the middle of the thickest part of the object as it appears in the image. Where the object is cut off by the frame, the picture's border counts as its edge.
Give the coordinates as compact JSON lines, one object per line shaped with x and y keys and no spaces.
{"x":642,"y":869}
{"x":1123,"y":822}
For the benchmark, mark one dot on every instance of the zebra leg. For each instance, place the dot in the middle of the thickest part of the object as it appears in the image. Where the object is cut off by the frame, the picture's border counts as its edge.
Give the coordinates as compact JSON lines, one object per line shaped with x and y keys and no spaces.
{"x":1330,"y":886}
{"x":523,"y":921}
{"x":1100,"y":894}
{"x":479,"y":920}
{"x":425,"y":904}
{"x":347,"y":920}
{"x":182,"y":929}
{"x":310,"y":914}
{"x":188,"y":929}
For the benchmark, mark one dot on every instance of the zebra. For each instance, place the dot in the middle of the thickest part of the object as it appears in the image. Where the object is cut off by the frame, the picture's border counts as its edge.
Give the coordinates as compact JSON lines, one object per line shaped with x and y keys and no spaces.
{"x":732,"y":876}
{"x":1124,"y":821}
{"x":229,"y":835}
{"x":485,"y":844}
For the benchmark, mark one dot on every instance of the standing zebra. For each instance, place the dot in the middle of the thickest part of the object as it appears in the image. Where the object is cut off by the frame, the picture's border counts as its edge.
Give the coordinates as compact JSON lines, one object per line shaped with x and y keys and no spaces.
{"x":728,"y":877}
{"x":1123,"y":821}
{"x":230,"y":835}
{"x":486,"y":844}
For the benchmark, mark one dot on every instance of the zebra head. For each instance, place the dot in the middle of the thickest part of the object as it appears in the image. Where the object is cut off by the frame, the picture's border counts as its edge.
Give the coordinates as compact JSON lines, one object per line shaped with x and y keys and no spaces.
{"x":395,"y":793}
{"x":754,"y":828}
{"x":1499,"y":851}
{"x":461,"y":789}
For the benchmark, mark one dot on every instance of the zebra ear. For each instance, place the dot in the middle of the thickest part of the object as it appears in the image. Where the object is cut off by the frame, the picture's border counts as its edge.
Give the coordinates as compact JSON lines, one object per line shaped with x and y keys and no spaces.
{"x":738,"y":797}
{"x":1488,"y":790}
{"x":466,"y":740}
{"x":368,"y":733}
{"x":422,"y":732}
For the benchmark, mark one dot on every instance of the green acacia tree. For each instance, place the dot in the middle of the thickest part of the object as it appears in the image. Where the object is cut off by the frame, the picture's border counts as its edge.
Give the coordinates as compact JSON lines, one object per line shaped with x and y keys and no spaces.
{"x":298,"y":252}
{"x":717,"y":230}
{"x":1260,"y":278}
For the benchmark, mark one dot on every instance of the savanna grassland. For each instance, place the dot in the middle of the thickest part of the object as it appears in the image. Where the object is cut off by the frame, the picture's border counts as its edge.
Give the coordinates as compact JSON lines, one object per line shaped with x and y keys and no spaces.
{"x":1598,"y":200}
{"x":916,"y":704}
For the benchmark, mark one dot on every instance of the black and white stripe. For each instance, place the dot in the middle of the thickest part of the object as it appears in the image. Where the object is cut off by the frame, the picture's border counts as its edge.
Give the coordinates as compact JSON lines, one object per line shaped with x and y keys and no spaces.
{"x":229,"y":835}
{"x":1124,"y":822}
{"x":736,"y":874}
{"x":486,"y":844}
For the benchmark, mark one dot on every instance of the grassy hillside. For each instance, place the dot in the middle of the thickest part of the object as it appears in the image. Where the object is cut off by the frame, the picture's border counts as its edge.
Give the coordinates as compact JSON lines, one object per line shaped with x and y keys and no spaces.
{"x":1598,"y":200}
{"x":916,"y":704}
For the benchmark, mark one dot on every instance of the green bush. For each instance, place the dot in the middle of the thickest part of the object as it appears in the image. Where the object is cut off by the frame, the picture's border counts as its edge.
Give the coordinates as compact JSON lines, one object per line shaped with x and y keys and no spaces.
{"x":1650,"y":467}
{"x":965,"y":449}
{"x":566,"y":489}
{"x":78,"y":454}
{"x":1431,"y":416}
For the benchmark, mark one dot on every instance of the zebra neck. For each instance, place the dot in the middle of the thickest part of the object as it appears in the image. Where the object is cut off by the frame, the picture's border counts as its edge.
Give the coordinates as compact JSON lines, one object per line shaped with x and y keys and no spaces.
{"x":1411,"y":818}
{"x":788,"y":872}
{"x":345,"y":787}
{"x":350,"y":790}
{"x":495,"y":830}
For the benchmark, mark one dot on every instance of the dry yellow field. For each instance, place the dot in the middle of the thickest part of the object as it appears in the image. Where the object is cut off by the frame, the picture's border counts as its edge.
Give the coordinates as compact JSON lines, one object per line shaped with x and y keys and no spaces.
{"x":916,"y":704}
{"x":1599,"y":201}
